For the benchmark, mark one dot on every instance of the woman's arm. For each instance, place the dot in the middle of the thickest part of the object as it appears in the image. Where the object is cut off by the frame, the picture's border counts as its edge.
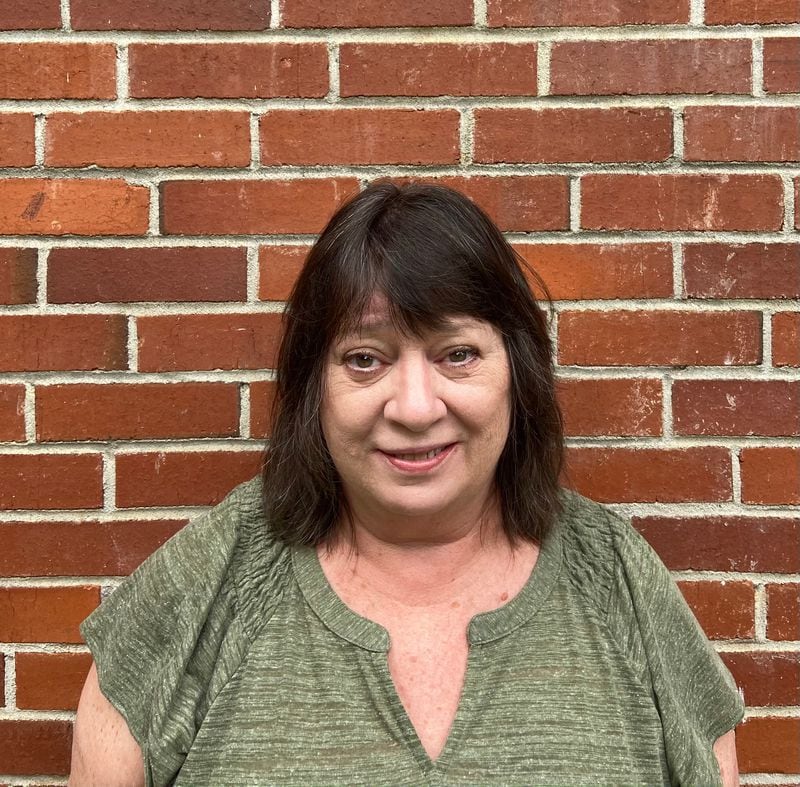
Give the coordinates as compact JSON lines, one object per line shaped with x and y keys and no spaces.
{"x":725,"y":751}
{"x":104,"y":753}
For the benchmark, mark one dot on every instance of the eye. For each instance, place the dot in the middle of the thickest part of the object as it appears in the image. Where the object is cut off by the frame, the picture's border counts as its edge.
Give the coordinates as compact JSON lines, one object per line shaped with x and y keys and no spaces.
{"x":461,"y":356}
{"x":361,"y":362}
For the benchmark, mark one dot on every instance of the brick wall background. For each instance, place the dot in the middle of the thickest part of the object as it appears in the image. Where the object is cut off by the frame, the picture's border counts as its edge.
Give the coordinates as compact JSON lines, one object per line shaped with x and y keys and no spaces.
{"x":166,"y":165}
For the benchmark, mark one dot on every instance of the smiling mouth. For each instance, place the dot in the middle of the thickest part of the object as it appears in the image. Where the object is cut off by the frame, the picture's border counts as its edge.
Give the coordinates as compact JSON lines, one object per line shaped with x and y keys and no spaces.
{"x":420,"y":457}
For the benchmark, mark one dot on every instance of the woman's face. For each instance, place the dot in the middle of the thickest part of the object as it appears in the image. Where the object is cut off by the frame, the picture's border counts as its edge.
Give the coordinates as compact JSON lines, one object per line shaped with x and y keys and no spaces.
{"x":415,"y":426}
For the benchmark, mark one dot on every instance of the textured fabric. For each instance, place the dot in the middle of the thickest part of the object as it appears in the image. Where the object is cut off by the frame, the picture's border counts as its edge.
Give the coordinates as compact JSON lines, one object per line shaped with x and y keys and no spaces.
{"x":234,"y":662}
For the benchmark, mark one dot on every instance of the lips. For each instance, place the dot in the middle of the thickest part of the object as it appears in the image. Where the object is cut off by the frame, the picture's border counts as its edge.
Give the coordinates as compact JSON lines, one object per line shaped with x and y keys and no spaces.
{"x":422,"y":460}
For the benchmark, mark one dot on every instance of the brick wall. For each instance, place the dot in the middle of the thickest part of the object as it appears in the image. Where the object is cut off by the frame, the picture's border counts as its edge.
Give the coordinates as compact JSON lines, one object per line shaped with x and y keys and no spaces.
{"x":165,"y":166}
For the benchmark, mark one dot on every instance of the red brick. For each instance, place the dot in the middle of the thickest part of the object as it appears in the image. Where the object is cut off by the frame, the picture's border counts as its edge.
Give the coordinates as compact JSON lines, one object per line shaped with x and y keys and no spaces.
{"x":56,"y":549}
{"x":43,"y":481}
{"x":586,"y":13}
{"x":31,"y":206}
{"x":771,"y":476}
{"x":155,"y":15}
{"x":783,"y":611}
{"x":261,"y":397}
{"x":578,"y":271}
{"x":768,"y":745}
{"x":47,"y":70}
{"x":741,"y":270}
{"x":651,"y":475}
{"x":650,"y":66}
{"x":12,"y":413}
{"x":119,"y":275}
{"x":766,"y":678}
{"x":737,"y":407}
{"x":751,"y":12}
{"x":208,"y":341}
{"x":681,"y":202}
{"x":31,"y":15}
{"x":782,"y":65}
{"x":51,"y":681}
{"x":597,"y":407}
{"x":16,"y":141}
{"x":501,"y":69}
{"x":228,"y":70}
{"x":148,"y":139}
{"x":62,"y":342}
{"x":18,"y":276}
{"x":45,"y":614}
{"x":515,"y":203}
{"x":724,"y":543}
{"x":556,"y":135}
{"x":742,"y":133}
{"x":786,"y":339}
{"x":360,"y":136}
{"x":659,"y":338}
{"x":135,"y":412}
{"x":251,"y":207}
{"x":725,"y":610}
{"x":182,"y":479}
{"x":376,"y":13}
{"x":35,"y":747}
{"x":279,"y":267}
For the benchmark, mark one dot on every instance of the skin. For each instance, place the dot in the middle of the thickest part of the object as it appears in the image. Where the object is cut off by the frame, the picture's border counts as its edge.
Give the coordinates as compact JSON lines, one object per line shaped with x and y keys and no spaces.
{"x":432,"y":532}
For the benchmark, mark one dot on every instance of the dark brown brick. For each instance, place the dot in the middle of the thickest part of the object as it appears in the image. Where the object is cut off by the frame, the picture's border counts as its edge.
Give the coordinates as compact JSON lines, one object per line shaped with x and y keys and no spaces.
{"x":17,"y":276}
{"x":47,"y":481}
{"x":182,"y":15}
{"x":12,"y":413}
{"x":30,"y":15}
{"x":208,"y":341}
{"x":741,"y":270}
{"x":727,"y":543}
{"x":376,"y":13}
{"x":228,"y":70}
{"x":16,"y":140}
{"x":119,"y":275}
{"x":782,"y":65}
{"x":725,"y":610}
{"x":86,"y":548}
{"x":53,"y":614}
{"x":35,"y":748}
{"x":51,"y":681}
{"x":62,"y":342}
{"x":586,"y":13}
{"x":766,"y":678}
{"x":182,"y":478}
{"x":135,"y":412}
{"x":769,"y":745}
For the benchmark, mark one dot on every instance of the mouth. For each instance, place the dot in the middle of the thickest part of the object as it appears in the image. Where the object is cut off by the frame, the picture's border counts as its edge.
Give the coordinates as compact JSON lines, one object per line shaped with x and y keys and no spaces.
{"x":421,"y":461}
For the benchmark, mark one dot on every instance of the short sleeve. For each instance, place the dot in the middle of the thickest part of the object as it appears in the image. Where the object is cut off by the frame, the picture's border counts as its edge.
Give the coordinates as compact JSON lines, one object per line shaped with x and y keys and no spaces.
{"x":169,"y":637}
{"x":695,"y":694}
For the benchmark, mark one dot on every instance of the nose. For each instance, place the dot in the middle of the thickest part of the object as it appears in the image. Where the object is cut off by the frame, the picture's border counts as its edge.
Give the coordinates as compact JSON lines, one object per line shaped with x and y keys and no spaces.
{"x":414,"y":400}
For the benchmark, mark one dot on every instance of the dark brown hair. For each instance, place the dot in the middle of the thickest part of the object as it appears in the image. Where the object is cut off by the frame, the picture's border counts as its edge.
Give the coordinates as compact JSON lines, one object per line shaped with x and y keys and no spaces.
{"x":433,"y":254}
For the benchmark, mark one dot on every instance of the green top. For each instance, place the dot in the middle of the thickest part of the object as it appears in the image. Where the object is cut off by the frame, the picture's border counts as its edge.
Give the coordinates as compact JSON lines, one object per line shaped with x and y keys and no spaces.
{"x":234,"y":662}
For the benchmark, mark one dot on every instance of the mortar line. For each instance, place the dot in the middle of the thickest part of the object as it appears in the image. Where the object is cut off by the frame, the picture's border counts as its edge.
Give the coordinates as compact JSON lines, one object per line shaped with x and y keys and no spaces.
{"x":575,"y":203}
{"x":30,"y":413}
{"x":334,"y":81}
{"x":154,"y":210}
{"x":736,"y":476}
{"x":466,"y":136}
{"x":480,"y":14}
{"x":760,"y":612}
{"x":543,"y":54}
{"x":66,"y":22}
{"x":766,"y":340}
{"x":255,"y":141}
{"x":42,"y":258}
{"x":253,"y":275}
{"x":696,"y":13}
{"x":789,"y":206}
{"x":244,"y":411}
{"x":122,"y":74}
{"x":678,"y":134}
{"x":666,"y":411}
{"x":109,"y":481}
{"x":132,"y":344}
{"x":677,"y":271}
{"x":274,"y":14}
{"x":757,"y":58}
{"x":39,"y":124}
{"x":10,"y":687}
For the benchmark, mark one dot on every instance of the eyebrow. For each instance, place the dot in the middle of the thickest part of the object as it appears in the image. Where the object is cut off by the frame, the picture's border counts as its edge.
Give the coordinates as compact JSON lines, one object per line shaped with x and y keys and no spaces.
{"x":450,"y":326}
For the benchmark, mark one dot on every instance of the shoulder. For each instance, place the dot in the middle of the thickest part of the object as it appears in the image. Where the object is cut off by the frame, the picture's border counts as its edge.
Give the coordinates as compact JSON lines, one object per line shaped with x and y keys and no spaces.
{"x":180,"y":624}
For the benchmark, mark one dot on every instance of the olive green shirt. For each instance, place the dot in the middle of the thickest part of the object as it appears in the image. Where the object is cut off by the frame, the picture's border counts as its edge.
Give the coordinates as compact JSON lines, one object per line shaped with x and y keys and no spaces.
{"x":235,"y":663}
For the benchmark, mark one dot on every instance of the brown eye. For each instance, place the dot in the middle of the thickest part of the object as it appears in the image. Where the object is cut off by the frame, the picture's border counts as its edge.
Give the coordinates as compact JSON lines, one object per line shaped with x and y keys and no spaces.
{"x":461,"y":356}
{"x":361,"y":361}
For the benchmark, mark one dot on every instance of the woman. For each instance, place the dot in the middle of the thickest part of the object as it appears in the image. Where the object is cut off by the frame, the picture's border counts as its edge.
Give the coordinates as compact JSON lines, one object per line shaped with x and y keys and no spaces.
{"x":407,"y":597}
